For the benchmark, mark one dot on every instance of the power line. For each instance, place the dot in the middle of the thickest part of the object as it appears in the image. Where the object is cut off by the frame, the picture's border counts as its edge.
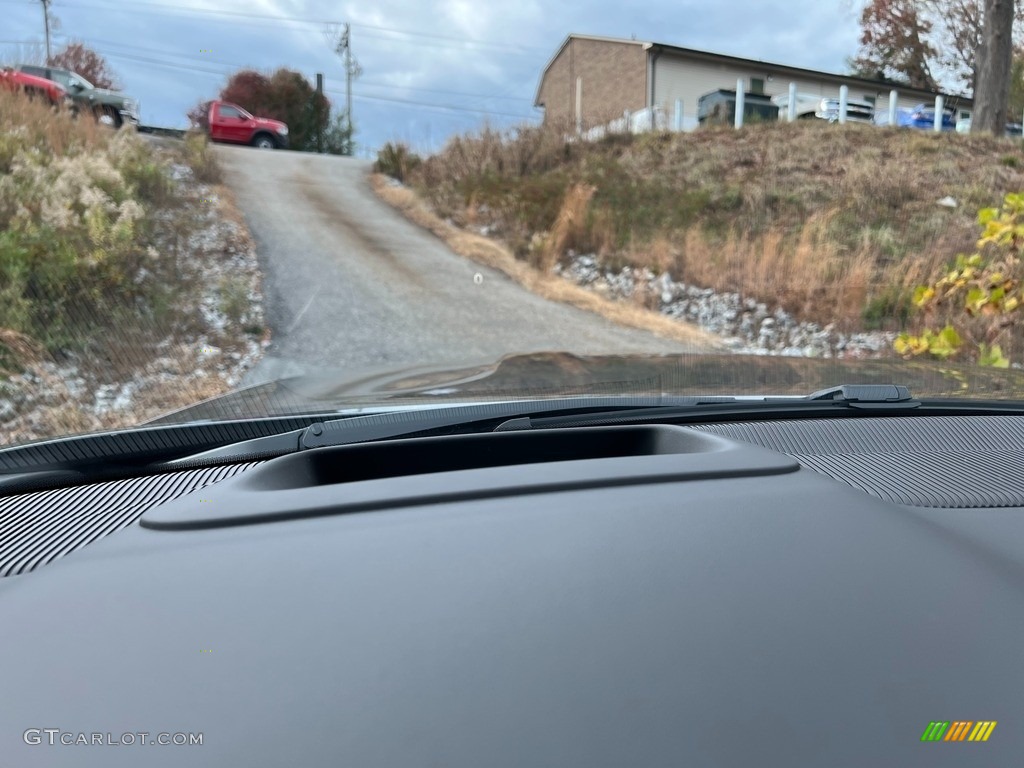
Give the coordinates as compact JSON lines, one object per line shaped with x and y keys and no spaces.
{"x":515,"y":46}
{"x":108,"y":48}
{"x":424,"y":104}
{"x":157,"y":62}
{"x":450,"y":93}
{"x":445,"y":107}
{"x":154,"y":8}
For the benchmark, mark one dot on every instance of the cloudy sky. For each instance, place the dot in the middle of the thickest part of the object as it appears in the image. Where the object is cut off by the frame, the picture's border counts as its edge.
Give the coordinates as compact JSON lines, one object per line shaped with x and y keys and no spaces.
{"x":430,"y":67}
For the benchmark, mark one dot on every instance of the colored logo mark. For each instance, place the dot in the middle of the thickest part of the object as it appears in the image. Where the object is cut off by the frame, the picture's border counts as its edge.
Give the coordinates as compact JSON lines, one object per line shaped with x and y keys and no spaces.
{"x":958,"y":730}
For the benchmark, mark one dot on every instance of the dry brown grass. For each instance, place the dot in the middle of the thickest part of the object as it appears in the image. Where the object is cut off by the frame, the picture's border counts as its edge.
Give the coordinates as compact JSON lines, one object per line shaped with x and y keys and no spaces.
{"x":569,"y":229}
{"x":835,"y":223}
{"x":492,"y":254}
{"x":54,"y":128}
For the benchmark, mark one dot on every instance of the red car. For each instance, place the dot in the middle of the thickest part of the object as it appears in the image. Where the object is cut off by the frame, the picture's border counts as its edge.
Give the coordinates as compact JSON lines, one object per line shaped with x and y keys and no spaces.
{"x":13,"y":80}
{"x":231,"y":124}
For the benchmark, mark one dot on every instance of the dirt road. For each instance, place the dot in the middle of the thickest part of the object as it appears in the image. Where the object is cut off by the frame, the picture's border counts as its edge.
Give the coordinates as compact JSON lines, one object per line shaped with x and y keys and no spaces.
{"x":352,"y":286}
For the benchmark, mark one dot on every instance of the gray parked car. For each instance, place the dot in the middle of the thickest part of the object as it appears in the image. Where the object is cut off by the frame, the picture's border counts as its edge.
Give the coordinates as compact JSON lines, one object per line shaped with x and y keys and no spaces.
{"x":108,"y":106}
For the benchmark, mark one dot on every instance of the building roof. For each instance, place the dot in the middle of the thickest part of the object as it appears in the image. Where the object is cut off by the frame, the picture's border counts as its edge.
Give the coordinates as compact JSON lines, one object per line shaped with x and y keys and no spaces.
{"x":782,"y":69}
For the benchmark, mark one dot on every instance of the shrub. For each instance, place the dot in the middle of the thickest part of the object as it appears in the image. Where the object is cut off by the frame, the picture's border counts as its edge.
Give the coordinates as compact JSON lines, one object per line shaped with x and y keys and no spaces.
{"x":199,"y":156}
{"x":397,"y":161}
{"x":978,"y":299}
{"x":74,"y":225}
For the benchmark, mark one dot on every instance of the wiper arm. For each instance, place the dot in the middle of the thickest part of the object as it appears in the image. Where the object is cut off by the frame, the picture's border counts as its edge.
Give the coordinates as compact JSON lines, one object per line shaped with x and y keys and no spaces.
{"x":875,"y":394}
{"x":478,"y":417}
{"x":868,"y":397}
{"x":503,"y":417}
{"x":124,"y":453}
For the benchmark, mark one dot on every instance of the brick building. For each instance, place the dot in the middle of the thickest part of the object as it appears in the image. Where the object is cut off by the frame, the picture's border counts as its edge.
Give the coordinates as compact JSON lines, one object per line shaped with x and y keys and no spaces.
{"x":593,"y":80}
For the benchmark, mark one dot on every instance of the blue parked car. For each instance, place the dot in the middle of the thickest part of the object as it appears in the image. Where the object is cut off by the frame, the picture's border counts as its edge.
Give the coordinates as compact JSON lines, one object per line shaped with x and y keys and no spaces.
{"x":923,"y":117}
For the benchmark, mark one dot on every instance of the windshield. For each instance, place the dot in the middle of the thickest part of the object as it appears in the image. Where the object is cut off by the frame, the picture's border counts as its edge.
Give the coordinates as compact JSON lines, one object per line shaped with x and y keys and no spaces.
{"x":454,"y":202}
{"x":80,"y":81}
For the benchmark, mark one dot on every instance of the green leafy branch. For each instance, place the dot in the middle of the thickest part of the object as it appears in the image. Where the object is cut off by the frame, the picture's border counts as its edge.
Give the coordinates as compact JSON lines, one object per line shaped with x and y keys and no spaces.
{"x":979,"y":297}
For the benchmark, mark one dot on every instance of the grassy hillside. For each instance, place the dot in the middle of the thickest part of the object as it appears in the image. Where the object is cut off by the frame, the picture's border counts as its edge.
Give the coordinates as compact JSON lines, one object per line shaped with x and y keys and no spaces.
{"x":833,"y":223}
{"x":128,"y":282}
{"x":82,"y":211}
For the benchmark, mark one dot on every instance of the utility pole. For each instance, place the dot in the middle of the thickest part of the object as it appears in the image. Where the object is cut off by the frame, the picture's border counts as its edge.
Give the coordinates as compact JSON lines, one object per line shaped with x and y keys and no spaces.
{"x":319,"y":115}
{"x":352,"y":70}
{"x":46,"y":24}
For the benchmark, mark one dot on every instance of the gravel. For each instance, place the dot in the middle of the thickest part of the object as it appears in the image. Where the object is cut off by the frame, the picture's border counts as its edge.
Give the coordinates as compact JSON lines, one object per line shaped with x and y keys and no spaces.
{"x":747,"y":326}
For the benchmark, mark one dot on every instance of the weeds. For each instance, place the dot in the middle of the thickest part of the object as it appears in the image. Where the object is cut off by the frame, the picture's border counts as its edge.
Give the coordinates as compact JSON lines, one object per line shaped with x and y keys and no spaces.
{"x":397,"y":161}
{"x":829,"y":223}
{"x":199,"y":156}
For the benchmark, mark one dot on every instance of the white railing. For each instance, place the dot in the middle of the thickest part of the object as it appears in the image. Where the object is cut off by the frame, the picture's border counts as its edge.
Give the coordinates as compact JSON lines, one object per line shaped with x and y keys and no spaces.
{"x":673,"y":118}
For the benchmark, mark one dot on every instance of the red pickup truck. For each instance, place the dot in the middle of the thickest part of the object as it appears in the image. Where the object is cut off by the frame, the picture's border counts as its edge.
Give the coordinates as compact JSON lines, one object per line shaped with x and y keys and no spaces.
{"x":231,"y":124}
{"x":13,"y":80}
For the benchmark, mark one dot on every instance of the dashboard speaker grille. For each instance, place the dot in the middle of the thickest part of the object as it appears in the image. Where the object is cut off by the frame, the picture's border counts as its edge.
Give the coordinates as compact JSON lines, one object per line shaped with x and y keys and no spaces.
{"x":953,"y":462}
{"x":37,"y":528}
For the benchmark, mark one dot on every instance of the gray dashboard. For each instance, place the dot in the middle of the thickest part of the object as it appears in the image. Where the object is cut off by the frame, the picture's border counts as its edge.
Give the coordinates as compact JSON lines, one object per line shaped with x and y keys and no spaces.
{"x":721,"y":595}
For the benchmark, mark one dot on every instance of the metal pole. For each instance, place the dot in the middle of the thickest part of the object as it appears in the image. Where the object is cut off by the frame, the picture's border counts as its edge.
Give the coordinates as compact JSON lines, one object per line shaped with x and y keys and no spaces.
{"x":937,"y":122}
{"x":792,"y":102}
{"x":678,"y":124}
{"x":740,"y":102}
{"x":894,"y":103}
{"x":46,"y":24}
{"x":348,"y":76}
{"x":319,"y":116}
{"x":844,"y":100}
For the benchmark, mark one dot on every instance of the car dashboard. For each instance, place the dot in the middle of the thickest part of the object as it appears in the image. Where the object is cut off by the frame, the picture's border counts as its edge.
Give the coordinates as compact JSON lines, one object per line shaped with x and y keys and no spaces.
{"x":771,"y":592}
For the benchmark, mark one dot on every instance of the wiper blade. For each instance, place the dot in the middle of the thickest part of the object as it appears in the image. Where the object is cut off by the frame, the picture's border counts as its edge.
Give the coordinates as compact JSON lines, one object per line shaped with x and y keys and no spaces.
{"x":124,"y":453}
{"x":478,"y":417}
{"x":503,"y":417}
{"x":865,"y":397}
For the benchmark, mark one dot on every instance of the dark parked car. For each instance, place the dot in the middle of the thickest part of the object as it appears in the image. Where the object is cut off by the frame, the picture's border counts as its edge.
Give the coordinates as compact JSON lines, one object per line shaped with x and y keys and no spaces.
{"x":108,"y":106}
{"x":719,"y":107}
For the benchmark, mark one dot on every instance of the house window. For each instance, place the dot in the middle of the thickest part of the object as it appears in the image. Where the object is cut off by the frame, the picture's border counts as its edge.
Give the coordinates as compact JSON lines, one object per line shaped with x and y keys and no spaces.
{"x":757,"y":85}
{"x":965,"y":115}
{"x":870,"y":100}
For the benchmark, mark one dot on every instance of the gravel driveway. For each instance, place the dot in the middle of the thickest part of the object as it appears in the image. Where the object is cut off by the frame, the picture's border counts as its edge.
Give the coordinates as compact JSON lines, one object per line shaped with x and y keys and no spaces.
{"x":351,"y":285}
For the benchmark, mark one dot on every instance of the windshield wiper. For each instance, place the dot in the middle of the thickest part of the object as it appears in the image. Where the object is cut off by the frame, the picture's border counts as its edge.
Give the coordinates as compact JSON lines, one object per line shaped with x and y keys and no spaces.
{"x":476,"y":417}
{"x":503,"y":417}
{"x":129,"y":452}
{"x":151,"y":450}
{"x":861,"y":397}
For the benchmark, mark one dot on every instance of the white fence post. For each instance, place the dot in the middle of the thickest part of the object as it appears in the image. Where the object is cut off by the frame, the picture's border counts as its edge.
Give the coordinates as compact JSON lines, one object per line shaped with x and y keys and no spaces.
{"x":626,"y":121}
{"x":937,"y":122}
{"x":894,"y":103}
{"x":740,"y":101}
{"x":844,"y":100}
{"x":792,"y":102}
{"x":678,"y":123}
{"x":579,"y":105}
